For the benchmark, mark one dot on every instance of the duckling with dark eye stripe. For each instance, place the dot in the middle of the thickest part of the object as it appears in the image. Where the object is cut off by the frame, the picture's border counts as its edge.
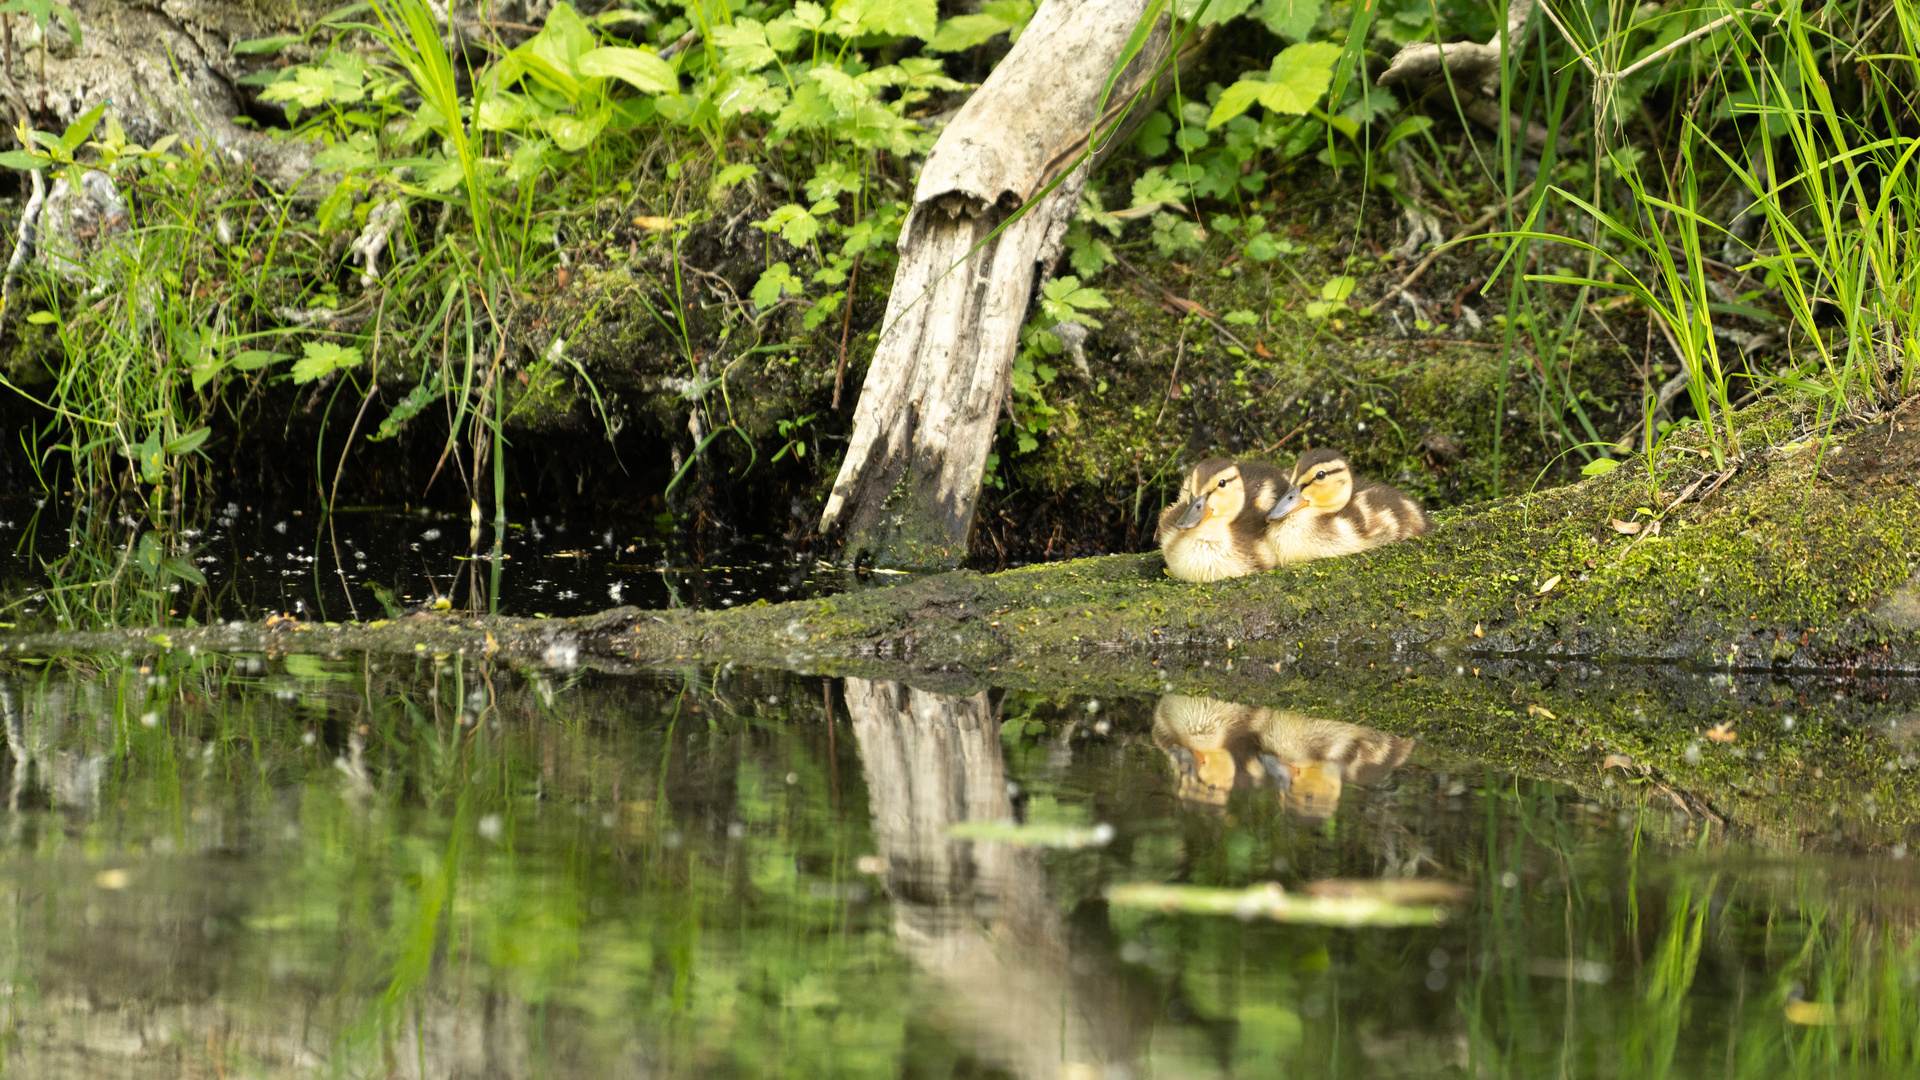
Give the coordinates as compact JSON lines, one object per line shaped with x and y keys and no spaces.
{"x":1327,"y":513}
{"x":1217,"y":528}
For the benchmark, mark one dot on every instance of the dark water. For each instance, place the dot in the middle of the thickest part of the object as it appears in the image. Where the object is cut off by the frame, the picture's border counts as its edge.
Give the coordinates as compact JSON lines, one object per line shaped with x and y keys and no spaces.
{"x":365,"y":563}
{"x":242,"y":866}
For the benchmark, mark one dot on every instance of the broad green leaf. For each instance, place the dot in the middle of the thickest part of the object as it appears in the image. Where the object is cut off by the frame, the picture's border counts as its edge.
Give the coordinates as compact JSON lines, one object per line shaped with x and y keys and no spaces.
{"x":82,"y":126}
{"x":22,"y":159}
{"x":188,"y":443}
{"x":1599,"y":467}
{"x":179,"y":566}
{"x":43,"y":318}
{"x":323,"y":358}
{"x":504,"y":110}
{"x":640,"y":69}
{"x":1291,"y":18}
{"x":1299,"y":76}
{"x":574,"y":133}
{"x":1234,"y":100}
{"x":1211,"y":14}
{"x":1337,"y":288}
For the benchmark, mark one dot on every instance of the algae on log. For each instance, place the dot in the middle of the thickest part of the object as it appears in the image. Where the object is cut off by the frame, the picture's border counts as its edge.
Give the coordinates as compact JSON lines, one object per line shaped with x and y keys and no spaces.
{"x":907,"y":489}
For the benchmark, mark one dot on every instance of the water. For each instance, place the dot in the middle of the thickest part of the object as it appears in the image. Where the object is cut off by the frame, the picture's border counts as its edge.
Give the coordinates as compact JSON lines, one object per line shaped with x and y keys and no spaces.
{"x":301,"y":866}
{"x":366,"y":563}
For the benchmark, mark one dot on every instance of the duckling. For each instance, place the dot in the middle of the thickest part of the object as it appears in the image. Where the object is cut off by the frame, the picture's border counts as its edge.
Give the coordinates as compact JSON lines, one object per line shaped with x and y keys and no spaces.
{"x":1327,"y":513}
{"x":1216,"y":528}
{"x":1312,"y":760}
{"x":1194,"y":732}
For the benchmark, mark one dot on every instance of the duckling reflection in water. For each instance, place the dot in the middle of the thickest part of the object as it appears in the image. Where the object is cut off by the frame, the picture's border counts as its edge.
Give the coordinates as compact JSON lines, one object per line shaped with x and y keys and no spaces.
{"x":1326,"y":512}
{"x":1217,"y":526}
{"x":1213,"y":744}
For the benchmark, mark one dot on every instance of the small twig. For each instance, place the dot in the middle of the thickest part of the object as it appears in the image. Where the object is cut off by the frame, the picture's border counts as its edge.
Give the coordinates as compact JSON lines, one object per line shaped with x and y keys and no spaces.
{"x":1174,"y":379}
{"x":684,"y":42}
{"x":846,"y":328}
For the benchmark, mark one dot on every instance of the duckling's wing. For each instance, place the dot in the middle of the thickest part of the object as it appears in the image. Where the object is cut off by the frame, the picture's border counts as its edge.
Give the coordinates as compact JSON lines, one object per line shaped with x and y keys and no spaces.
{"x":1387,"y":513}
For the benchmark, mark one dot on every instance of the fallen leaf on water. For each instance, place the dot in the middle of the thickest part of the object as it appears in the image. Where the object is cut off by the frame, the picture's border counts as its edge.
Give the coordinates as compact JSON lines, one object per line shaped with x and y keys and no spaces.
{"x":653,"y":224}
{"x":1535,"y":710}
{"x":1548,"y":587}
{"x":1617,"y":761}
{"x":1627,"y":527}
{"x":1722,"y":732}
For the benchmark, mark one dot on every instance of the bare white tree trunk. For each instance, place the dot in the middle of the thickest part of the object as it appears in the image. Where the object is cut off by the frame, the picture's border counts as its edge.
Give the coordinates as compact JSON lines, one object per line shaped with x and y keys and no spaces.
{"x":908,"y":487}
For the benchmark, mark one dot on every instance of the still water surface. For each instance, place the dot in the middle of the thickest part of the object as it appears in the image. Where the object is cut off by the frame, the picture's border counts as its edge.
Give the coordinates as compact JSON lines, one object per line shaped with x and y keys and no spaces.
{"x":307,"y":866}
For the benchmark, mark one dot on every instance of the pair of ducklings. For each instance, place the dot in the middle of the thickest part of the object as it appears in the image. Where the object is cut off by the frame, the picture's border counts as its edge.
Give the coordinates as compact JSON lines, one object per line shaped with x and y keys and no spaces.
{"x":1241,"y":517}
{"x":1215,"y":746}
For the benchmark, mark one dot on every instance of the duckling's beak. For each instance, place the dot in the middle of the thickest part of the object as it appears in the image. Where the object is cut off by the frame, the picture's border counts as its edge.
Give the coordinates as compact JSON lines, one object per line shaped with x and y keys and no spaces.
{"x":1288,"y":504}
{"x":1195,"y":511}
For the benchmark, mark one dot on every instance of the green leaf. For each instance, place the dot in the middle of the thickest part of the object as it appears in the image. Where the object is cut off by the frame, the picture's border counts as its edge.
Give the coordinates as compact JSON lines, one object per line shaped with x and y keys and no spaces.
{"x":257,"y":46}
{"x":323,"y":358}
{"x":638,"y":68}
{"x":406,"y":409}
{"x":902,"y":18}
{"x":1599,"y":467}
{"x":575,"y":133}
{"x":744,"y":45}
{"x":1299,"y":77}
{"x":179,"y":566}
{"x":188,"y":443}
{"x":23,"y":159}
{"x":1234,"y":100}
{"x":254,"y":359}
{"x":1151,"y":139}
{"x":1155,"y":186}
{"x":43,"y":318}
{"x":732,"y":175}
{"x":775,"y":281}
{"x":1337,"y":288}
{"x":82,"y":126}
{"x":833,"y":178}
{"x":796,"y":225}
{"x":1240,"y":318}
{"x":1291,"y":18}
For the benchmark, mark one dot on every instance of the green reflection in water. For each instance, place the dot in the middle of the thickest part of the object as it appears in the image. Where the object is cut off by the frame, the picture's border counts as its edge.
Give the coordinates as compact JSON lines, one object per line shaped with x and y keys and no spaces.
{"x":247,"y":866}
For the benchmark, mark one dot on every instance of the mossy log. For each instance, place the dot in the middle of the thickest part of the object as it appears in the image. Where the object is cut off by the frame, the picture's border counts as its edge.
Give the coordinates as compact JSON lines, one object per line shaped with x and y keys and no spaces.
{"x":1518,"y":633}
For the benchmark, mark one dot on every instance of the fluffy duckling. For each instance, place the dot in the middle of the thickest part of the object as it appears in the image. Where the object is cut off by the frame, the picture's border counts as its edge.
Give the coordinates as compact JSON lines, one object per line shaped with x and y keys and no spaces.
{"x":1312,"y":760}
{"x":1326,"y":513}
{"x":1194,"y":732}
{"x":1217,"y":528}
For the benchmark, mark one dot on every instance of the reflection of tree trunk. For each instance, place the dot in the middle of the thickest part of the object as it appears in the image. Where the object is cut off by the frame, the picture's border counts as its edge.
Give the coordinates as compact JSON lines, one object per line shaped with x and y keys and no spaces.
{"x":933,"y":394}
{"x":977,"y":917}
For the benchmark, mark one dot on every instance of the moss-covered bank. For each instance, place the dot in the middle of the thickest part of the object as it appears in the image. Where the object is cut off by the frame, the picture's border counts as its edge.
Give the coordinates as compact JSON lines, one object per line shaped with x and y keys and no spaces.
{"x":1519,"y":633}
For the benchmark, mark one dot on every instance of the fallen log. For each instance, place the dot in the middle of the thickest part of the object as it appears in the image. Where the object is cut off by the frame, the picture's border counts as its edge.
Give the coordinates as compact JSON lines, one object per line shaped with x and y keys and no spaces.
{"x":1531,"y":633}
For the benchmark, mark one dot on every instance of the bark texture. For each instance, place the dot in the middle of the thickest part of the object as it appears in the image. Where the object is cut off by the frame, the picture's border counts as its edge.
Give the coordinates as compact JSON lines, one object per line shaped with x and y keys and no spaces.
{"x":906,"y":492}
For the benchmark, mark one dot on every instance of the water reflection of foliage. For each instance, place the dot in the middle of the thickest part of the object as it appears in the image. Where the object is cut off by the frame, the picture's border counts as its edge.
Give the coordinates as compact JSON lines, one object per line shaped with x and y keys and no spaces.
{"x":442,"y":867}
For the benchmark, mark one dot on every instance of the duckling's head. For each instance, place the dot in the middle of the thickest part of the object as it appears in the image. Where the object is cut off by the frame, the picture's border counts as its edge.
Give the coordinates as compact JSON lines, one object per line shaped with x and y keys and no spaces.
{"x":1321,"y":480}
{"x":1216,"y":490}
